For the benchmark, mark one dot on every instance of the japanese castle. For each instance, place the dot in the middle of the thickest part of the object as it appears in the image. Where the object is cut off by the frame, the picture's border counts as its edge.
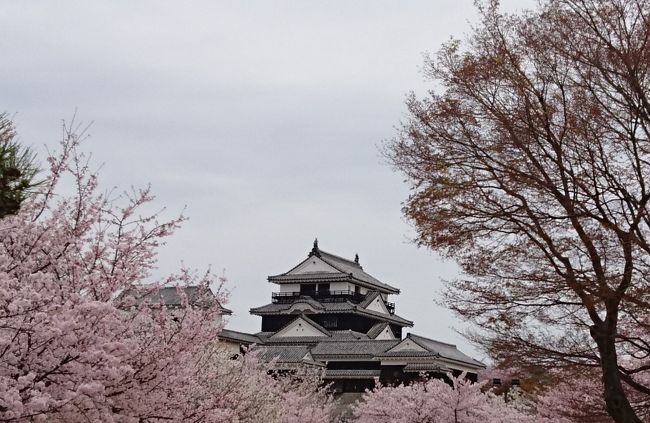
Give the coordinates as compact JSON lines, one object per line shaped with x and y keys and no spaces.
{"x":330,"y":313}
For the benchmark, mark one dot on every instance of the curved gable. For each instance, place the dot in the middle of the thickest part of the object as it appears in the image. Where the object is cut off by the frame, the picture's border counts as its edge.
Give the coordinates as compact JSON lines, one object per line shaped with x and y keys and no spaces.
{"x":302,"y":306}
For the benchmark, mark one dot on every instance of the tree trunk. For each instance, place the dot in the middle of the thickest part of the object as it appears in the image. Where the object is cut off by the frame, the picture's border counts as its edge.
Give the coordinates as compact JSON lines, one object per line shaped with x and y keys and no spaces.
{"x":618,"y":406}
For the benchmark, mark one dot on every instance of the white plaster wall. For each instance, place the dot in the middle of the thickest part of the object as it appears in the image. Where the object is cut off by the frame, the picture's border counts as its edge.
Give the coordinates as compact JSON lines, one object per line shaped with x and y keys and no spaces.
{"x":346,"y":286}
{"x":339,"y":286}
{"x":386,"y":334}
{"x":377,"y":305}
{"x":290,"y":287}
{"x":407,"y":345}
{"x":299,"y":327}
{"x":313,"y":265}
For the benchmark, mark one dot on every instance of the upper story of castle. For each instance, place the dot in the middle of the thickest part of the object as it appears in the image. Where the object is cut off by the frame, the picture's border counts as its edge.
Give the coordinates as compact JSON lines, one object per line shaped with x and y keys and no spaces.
{"x":326,"y":276}
{"x":335,"y":292}
{"x":329,"y":312}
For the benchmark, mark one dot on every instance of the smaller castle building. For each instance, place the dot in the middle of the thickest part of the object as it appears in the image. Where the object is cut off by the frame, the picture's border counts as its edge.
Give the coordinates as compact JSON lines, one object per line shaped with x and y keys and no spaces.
{"x":329,"y":312}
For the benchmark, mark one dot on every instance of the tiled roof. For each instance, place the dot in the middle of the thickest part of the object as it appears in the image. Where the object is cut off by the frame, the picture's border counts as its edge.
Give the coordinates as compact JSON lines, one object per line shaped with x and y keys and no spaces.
{"x":312,"y":276}
{"x":349,"y":266}
{"x":264,"y":335}
{"x":351,"y":373}
{"x":445,"y":350}
{"x":376,"y":329}
{"x":355,"y":345}
{"x":244,"y":338}
{"x":408,"y":353}
{"x":282,"y":354}
{"x":335,"y":307}
{"x":425,"y":367}
{"x":169,"y":295}
{"x":326,"y":306}
{"x":370,"y":297}
{"x":433,"y":348}
{"x":393,"y":318}
{"x":305,"y":299}
{"x":341,"y":335}
{"x":349,"y":270}
{"x":360,"y":349}
{"x":349,"y":334}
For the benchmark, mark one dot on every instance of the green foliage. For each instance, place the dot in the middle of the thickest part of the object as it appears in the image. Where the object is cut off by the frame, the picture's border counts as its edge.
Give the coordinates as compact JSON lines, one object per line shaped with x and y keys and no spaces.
{"x":17,"y":169}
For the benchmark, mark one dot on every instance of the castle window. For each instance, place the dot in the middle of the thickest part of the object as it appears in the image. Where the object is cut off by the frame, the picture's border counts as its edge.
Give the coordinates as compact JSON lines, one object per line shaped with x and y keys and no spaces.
{"x":308,"y":289}
{"x":330,"y":322}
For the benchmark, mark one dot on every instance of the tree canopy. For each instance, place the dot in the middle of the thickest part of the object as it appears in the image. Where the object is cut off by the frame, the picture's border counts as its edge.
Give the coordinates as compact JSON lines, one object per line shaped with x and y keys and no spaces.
{"x":455,"y":400}
{"x":77,"y":341}
{"x":530,"y":166}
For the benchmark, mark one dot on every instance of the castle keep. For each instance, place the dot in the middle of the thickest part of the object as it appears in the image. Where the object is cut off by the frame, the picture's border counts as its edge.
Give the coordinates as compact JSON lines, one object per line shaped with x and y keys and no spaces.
{"x":329,"y":312}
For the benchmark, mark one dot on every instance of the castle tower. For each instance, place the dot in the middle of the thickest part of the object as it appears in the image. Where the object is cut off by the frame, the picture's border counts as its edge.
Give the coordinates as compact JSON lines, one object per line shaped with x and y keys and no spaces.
{"x":335,"y":293}
{"x":327,"y":311}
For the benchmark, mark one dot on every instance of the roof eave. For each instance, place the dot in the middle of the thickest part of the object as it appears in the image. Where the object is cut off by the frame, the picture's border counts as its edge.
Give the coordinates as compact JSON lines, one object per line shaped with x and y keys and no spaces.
{"x":280,"y":279}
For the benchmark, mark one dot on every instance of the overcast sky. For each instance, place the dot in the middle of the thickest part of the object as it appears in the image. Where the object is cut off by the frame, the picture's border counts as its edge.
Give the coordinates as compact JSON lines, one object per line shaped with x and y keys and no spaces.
{"x":263,"y":118}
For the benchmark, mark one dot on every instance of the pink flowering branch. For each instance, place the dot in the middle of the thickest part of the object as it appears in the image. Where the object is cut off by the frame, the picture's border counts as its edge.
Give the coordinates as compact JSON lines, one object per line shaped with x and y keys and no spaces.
{"x":81,"y":338}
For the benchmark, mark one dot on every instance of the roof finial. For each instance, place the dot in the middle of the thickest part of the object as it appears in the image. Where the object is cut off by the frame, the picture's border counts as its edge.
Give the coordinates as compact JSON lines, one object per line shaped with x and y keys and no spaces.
{"x":356,"y":258}
{"x":315,"y":251}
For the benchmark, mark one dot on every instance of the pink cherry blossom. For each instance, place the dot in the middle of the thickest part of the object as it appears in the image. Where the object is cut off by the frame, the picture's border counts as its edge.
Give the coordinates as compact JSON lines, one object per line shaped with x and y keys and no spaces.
{"x":434,"y":400}
{"x":77,"y":345}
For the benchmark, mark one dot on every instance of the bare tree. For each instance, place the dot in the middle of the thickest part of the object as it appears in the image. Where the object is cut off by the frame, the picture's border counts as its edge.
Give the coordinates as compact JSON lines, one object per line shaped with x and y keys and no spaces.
{"x":530,"y":166}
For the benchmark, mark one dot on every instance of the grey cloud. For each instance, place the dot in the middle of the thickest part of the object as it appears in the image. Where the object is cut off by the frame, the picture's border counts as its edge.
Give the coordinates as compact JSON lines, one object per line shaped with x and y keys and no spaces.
{"x":262,"y":117}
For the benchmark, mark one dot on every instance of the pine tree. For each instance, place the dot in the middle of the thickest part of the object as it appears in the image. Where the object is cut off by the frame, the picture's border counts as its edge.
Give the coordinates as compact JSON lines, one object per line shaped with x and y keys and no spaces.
{"x":17,"y":169}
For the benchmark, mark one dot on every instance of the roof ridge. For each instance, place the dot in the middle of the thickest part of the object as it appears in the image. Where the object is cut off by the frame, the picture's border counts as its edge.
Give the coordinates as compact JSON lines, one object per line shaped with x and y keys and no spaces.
{"x":369,"y":298}
{"x":240,"y":336}
{"x":238,"y":331}
{"x":336,"y":267}
{"x":268,"y":278}
{"x":387,"y":318}
{"x":317,"y":252}
{"x":441,"y":354}
{"x":307,"y":299}
{"x":410,"y":335}
{"x":346,"y":306}
{"x":376,"y":329}
{"x":352,"y":262}
{"x":437,"y":353}
{"x":346,"y":330}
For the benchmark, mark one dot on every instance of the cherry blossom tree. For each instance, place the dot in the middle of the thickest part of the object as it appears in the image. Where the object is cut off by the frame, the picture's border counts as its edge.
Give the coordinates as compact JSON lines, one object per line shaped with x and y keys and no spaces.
{"x":77,"y":342}
{"x":575,"y":398}
{"x":434,"y":400}
{"x":253,"y":390}
{"x":575,"y":394}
